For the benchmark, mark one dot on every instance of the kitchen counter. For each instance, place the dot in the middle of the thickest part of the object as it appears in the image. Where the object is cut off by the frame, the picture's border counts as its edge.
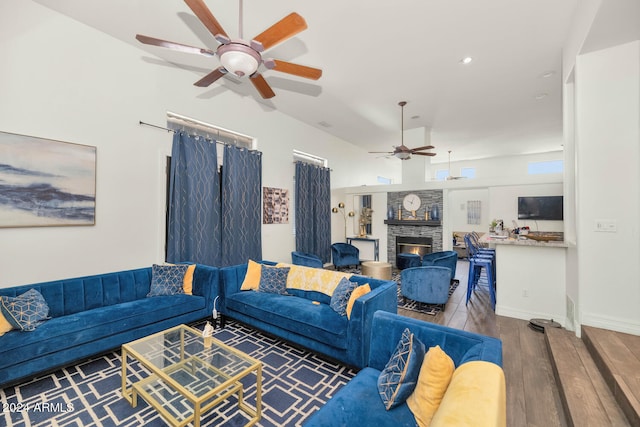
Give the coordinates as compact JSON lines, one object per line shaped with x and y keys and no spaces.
{"x":530,"y":278}
{"x":522,"y":241}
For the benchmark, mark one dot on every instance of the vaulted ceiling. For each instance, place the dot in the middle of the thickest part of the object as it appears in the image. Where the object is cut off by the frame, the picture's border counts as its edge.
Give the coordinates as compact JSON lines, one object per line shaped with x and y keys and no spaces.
{"x":375,"y":54}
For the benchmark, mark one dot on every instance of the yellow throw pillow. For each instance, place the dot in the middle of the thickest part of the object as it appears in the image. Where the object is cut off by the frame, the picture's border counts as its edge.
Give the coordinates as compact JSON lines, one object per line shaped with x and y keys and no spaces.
{"x":187,"y":285}
{"x":435,"y":375}
{"x":357,"y":293}
{"x":476,"y":396}
{"x":5,"y":326}
{"x":252,"y":279}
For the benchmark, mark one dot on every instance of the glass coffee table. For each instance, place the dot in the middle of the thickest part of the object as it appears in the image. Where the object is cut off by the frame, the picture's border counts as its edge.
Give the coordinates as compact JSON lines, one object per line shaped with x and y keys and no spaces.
{"x":187,"y":376}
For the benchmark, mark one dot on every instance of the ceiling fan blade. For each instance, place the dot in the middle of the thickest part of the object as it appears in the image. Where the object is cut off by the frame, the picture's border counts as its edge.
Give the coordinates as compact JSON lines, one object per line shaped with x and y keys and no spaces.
{"x":206,"y":17}
{"x":211,"y":77}
{"x":285,"y":28}
{"x":424,"y":154}
{"x":380,"y":152}
{"x":173,"y":45}
{"x":296,"y":69}
{"x":263,"y":87}
{"x":426,"y":147}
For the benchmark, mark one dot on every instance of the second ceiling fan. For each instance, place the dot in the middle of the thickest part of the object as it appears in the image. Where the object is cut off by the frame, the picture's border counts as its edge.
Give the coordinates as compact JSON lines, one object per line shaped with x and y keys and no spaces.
{"x":241,"y":57}
{"x":403,"y":152}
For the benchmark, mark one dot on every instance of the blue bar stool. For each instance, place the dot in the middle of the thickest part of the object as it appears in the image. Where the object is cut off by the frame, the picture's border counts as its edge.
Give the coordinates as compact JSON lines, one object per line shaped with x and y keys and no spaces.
{"x":476,"y":263}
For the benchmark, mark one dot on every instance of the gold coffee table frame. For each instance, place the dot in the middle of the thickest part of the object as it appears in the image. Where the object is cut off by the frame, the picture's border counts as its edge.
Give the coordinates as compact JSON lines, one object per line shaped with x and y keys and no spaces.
{"x":188,"y":378}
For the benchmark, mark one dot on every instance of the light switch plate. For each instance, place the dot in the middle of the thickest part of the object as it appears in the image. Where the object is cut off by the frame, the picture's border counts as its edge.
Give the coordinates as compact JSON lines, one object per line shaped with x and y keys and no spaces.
{"x":606,"y":225}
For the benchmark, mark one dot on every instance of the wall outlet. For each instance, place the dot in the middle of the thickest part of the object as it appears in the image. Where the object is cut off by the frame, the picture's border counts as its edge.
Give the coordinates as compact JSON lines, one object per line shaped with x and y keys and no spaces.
{"x":525,"y":293}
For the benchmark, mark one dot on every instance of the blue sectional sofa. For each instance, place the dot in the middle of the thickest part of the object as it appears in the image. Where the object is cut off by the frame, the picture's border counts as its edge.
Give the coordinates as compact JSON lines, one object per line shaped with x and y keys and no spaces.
{"x":475,"y":396}
{"x":94,"y":314}
{"x":304,"y":317}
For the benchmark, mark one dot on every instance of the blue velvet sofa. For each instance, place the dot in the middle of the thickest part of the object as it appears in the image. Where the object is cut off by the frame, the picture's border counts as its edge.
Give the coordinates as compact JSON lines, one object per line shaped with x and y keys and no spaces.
{"x":91,"y":315}
{"x":303,"y":258}
{"x":304,"y":317}
{"x":477,"y":400}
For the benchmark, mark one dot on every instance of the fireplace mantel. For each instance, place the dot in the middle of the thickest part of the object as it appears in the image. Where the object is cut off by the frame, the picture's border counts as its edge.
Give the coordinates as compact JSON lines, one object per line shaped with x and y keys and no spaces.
{"x":415,"y":222}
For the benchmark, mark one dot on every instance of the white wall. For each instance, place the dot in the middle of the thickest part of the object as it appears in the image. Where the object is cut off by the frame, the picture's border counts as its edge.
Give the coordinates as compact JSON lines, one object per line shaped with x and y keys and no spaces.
{"x":607,"y":106}
{"x":503,"y":167}
{"x":62,"y":80}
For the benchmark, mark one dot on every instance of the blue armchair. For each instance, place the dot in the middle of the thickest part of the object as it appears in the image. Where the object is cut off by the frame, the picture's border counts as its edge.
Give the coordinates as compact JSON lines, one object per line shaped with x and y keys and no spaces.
{"x":447,"y":259}
{"x":344,"y":255}
{"x":306,"y":259}
{"x":426,"y":284}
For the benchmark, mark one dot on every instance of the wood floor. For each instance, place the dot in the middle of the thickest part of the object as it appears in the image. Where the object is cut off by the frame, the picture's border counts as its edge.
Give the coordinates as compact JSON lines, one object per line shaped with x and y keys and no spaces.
{"x":533,"y":398}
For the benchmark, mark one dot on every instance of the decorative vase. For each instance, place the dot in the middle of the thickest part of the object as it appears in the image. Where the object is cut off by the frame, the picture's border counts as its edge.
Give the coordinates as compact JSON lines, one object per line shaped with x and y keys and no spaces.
{"x":435,"y":212}
{"x":390,"y":212}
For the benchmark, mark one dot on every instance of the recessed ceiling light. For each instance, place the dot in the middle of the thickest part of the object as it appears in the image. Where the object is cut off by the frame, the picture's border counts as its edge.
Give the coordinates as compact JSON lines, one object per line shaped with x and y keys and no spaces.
{"x":466,"y":60}
{"x":542,"y":95}
{"x":547,"y":74}
{"x":415,"y":117}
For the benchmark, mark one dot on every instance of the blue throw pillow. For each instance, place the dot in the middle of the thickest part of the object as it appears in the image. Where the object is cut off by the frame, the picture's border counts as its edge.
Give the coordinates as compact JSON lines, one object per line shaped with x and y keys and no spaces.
{"x":341,"y":294}
{"x":400,"y":376}
{"x":167,"y":279}
{"x":273,"y":280}
{"x":26,"y":311}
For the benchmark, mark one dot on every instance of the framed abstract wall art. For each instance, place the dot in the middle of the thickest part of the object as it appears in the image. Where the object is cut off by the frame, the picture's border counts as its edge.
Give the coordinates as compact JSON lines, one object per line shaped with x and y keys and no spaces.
{"x":275,"y":206}
{"x":45,"y":182}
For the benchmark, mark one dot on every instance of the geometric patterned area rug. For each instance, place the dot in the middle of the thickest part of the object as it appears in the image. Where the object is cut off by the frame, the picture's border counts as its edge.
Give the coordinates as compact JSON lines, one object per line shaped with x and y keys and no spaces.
{"x":295,"y":383}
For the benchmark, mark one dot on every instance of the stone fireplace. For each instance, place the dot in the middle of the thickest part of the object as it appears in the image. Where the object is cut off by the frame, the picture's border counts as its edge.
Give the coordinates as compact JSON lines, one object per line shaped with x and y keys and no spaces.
{"x":426,"y":235}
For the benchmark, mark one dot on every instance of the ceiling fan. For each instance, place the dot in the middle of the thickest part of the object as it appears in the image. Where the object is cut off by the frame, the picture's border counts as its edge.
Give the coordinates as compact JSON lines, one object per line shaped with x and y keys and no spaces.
{"x":402,"y":151}
{"x":241,"y":57}
{"x":450,"y":177}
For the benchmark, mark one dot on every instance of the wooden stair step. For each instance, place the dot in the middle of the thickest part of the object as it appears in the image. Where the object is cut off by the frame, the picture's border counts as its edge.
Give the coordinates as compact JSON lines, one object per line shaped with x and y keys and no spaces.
{"x":585,"y":395}
{"x":617,"y":356}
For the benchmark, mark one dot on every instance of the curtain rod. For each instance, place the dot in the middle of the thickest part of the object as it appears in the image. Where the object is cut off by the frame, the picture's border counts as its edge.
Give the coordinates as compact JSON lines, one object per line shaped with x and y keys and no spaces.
{"x":141,"y":123}
{"x":156,"y":126}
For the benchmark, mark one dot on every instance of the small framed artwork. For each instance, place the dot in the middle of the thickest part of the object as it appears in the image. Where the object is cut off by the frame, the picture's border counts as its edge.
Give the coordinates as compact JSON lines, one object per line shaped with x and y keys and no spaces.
{"x":275,"y":206}
{"x":44,"y":182}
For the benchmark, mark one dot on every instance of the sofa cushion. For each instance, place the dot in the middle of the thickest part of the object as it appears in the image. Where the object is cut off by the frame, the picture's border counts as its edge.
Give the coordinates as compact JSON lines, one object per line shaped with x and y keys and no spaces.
{"x":313,"y":279}
{"x":357,"y":293}
{"x":341,"y":295}
{"x":252,"y":278}
{"x":24,"y":312}
{"x":167,"y":279}
{"x":273,"y":280}
{"x":358,"y":404}
{"x":315,"y":321}
{"x":435,"y":375}
{"x":476,"y":396}
{"x":399,"y":377}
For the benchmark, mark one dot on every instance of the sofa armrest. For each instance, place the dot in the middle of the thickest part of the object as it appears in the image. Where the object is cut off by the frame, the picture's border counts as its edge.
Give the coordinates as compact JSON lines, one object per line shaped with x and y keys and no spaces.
{"x":384,"y":297}
{"x":484,"y":383}
{"x":206,"y":283}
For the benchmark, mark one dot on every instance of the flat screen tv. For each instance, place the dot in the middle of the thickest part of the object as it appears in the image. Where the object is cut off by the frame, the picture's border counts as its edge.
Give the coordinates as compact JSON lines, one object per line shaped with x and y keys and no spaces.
{"x":547,"y":208}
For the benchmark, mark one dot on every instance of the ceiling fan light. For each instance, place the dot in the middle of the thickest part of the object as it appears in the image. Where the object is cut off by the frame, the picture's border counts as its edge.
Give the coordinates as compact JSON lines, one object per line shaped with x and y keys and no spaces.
{"x":239,"y":59}
{"x":403,"y":155}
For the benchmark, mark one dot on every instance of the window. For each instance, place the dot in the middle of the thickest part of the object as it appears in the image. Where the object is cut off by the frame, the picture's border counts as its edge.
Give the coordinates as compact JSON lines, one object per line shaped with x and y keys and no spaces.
{"x":550,"y":166}
{"x":468,"y":173}
{"x":442,"y":174}
{"x":299,"y":156}
{"x":206,"y":130}
{"x":383,"y":180}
